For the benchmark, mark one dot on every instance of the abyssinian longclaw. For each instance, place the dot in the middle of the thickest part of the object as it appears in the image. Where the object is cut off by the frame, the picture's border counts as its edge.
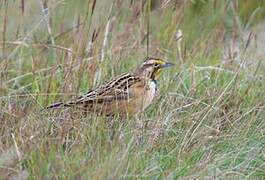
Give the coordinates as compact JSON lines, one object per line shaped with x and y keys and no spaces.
{"x":124,"y":95}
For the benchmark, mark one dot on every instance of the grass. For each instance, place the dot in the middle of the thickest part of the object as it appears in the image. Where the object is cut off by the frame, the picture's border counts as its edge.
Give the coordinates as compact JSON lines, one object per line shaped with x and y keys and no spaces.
{"x":207,"y":121}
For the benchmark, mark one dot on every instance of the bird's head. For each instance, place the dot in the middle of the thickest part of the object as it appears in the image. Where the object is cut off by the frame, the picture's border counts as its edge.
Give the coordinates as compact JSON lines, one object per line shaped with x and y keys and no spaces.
{"x":151,"y":67}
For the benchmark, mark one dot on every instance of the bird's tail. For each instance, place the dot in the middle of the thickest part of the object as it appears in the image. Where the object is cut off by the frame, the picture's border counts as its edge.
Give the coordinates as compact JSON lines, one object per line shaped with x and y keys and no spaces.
{"x":58,"y":105}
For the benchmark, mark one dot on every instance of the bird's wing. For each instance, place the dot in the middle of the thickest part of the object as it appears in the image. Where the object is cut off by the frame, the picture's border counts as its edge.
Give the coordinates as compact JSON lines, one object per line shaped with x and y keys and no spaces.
{"x":116,"y":89}
{"x":93,"y":97}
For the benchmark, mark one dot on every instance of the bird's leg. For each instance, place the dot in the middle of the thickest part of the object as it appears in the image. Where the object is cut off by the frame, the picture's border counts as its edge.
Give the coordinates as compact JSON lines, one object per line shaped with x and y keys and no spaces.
{"x":139,"y":130}
{"x":122,"y":120}
{"x":112,"y":123}
{"x":111,"y":126}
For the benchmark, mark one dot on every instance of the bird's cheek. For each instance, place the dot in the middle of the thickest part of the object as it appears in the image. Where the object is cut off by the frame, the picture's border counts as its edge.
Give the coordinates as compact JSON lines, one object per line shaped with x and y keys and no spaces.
{"x":157,"y":73}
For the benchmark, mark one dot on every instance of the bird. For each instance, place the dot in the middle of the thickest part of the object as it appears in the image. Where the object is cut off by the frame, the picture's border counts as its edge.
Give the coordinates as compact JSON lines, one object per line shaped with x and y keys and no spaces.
{"x":124,"y":95}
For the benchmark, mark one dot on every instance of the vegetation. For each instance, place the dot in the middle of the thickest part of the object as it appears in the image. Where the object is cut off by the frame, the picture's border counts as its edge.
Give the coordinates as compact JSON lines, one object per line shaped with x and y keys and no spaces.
{"x":207,"y":122}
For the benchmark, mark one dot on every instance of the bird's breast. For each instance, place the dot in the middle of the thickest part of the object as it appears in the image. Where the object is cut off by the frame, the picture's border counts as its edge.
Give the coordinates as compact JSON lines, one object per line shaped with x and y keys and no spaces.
{"x":141,"y":95}
{"x":149,"y":94}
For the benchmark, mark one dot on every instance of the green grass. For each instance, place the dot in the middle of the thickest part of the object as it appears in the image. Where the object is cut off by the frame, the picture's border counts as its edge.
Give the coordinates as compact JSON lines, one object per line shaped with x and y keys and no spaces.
{"x":207,"y":121}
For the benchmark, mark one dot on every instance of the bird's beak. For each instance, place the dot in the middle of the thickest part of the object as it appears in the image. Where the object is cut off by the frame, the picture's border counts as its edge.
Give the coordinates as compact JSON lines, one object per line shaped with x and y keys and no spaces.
{"x":167,"y":64}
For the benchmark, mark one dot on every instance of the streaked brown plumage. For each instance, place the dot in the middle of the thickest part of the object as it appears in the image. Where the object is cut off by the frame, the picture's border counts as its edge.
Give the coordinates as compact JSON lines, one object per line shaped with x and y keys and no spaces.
{"x":126,"y":94}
